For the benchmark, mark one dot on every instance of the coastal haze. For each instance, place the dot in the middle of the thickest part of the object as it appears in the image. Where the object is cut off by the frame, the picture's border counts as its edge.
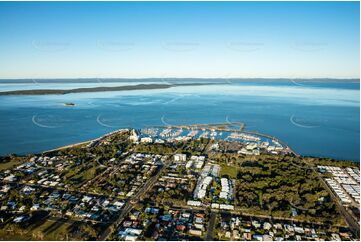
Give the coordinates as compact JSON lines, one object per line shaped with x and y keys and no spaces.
{"x":315,"y":117}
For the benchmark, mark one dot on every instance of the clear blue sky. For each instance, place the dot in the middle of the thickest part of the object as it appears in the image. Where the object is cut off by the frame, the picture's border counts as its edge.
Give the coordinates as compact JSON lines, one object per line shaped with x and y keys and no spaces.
{"x":179,"y":39}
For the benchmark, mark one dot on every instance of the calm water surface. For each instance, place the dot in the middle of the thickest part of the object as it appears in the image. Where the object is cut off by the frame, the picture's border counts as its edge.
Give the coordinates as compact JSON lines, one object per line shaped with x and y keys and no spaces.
{"x":314,"y":118}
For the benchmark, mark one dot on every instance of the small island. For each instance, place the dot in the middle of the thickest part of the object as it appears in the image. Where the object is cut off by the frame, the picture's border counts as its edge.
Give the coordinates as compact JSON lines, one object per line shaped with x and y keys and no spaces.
{"x":69,"y":104}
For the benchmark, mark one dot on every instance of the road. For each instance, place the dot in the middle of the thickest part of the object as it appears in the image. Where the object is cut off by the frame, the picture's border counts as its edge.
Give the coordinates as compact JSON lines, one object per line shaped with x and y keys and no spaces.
{"x":211,"y":224}
{"x":65,"y":190}
{"x":350,"y":220}
{"x":130,"y":203}
{"x":354,"y":226}
{"x":239,"y":212}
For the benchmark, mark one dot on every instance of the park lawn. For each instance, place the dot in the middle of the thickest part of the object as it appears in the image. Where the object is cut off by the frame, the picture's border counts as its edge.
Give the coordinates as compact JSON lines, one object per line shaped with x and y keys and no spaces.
{"x":231,"y":171}
{"x":10,"y":164}
{"x":86,"y":175}
{"x":5,"y":235}
{"x":52,"y":230}
{"x":48,"y":230}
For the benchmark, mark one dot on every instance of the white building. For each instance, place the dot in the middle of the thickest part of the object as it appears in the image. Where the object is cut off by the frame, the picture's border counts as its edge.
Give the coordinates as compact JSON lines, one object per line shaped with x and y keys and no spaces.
{"x":133,"y":136}
{"x":189,"y":164}
{"x":226,"y":207}
{"x":10,"y":178}
{"x":146,"y":140}
{"x":194,"y":203}
{"x":215,"y":205}
{"x":201,"y":188}
{"x":180,"y":157}
{"x":198,"y":161}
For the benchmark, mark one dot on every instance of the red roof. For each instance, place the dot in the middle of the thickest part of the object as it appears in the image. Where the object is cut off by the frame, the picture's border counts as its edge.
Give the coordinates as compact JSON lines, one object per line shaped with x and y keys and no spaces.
{"x":180,"y":227}
{"x":200,"y":215}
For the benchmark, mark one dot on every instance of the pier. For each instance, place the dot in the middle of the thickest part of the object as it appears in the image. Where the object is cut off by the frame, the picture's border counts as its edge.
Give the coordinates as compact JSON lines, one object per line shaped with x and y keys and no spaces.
{"x":274,"y":138}
{"x":216,"y":126}
{"x":225,"y":127}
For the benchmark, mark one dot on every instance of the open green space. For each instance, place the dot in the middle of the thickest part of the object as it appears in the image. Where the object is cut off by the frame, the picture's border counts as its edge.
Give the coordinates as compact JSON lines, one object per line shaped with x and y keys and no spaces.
{"x":41,"y":230}
{"x":230,"y":171}
{"x":9,"y":163}
{"x":275,"y":185}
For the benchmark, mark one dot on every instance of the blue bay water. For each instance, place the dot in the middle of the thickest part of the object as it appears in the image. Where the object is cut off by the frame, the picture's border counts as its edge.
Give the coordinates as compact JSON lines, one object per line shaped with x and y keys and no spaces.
{"x":314,"y":118}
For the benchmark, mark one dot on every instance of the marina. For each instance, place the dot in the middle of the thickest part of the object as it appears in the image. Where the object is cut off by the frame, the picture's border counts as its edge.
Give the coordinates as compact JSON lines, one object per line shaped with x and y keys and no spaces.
{"x":229,"y":131}
{"x":50,"y":124}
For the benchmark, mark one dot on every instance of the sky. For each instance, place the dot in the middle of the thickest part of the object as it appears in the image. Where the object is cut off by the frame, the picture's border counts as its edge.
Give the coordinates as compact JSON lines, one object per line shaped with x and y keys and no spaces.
{"x":179,"y":39}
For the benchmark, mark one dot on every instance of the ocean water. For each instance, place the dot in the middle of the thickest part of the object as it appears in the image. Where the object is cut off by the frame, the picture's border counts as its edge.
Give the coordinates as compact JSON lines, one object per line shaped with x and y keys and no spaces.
{"x":315,"y":118}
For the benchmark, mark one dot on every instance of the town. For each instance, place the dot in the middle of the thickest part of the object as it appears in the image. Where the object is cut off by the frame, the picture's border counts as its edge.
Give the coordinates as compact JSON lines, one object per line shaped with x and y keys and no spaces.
{"x":178,"y":183}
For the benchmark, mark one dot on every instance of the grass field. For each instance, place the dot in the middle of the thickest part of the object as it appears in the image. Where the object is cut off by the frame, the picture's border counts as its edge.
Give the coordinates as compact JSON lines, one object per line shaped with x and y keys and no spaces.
{"x":87,"y":174}
{"x":51,"y":230}
{"x":231,"y":171}
{"x":45,"y":230}
{"x":10,"y":164}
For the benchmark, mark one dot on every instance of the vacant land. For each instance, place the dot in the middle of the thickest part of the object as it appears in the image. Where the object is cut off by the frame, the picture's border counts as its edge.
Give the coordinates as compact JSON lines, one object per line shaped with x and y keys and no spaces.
{"x":9,"y":163}
{"x":230,"y":171}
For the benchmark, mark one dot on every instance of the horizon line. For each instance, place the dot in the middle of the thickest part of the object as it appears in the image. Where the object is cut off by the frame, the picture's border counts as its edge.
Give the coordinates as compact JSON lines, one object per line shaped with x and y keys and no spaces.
{"x":140,"y":78}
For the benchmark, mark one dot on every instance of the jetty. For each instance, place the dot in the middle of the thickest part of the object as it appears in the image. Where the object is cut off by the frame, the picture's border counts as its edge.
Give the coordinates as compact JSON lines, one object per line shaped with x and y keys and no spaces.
{"x":226,"y":127}
{"x":237,"y":127}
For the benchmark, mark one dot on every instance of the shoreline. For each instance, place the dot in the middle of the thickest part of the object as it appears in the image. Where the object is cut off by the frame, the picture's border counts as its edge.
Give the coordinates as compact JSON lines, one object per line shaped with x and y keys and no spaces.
{"x":119,"y":130}
{"x":284,"y":144}
{"x":84,"y":142}
{"x":66,"y":146}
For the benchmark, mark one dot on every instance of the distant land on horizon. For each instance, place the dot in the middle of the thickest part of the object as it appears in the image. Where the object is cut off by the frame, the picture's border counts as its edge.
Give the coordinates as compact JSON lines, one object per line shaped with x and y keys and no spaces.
{"x":97,"y":89}
{"x":166,"y":79}
{"x":143,"y":84}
